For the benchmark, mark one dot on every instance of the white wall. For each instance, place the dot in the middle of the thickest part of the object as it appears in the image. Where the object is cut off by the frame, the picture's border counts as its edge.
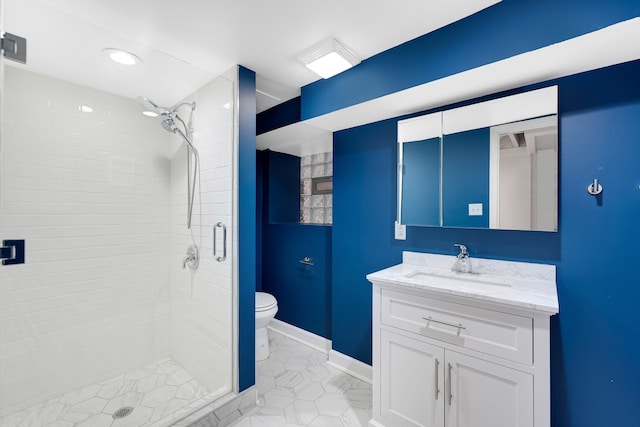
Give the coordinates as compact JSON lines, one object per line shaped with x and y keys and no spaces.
{"x":100,"y":199}
{"x":90,"y":194}
{"x":515,"y":189}
{"x":201,"y":300}
{"x":545,"y":190}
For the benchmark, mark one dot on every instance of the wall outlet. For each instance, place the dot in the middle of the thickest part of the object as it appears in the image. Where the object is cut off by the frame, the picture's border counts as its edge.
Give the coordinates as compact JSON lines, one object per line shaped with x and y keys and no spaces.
{"x":400,"y":231}
{"x":475,"y":209}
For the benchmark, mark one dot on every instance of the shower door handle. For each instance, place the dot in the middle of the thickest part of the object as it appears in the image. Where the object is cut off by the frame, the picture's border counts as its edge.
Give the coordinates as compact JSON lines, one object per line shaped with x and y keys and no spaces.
{"x":224,"y":242}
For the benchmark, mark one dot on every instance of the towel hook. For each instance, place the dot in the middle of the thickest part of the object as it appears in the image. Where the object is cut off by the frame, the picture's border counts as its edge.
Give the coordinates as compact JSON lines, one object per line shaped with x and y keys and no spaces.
{"x":306,"y":261}
{"x":595,"y":188}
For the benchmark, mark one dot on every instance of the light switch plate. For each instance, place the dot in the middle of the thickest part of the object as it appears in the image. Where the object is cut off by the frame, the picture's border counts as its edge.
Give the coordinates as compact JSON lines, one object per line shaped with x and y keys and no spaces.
{"x":475,"y":209}
{"x":400,"y":231}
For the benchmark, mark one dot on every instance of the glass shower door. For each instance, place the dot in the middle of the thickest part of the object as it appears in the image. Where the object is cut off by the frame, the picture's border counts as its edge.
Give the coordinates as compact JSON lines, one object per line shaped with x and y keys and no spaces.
{"x":102,"y":316}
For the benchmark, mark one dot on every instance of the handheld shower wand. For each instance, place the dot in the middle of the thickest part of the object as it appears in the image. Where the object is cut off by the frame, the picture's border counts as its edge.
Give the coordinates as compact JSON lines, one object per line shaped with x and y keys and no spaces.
{"x":169,"y":118}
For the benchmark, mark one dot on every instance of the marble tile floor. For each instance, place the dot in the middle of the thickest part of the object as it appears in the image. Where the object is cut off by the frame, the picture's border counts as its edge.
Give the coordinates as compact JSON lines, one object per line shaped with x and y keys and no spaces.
{"x":296,"y":387}
{"x":156,"y":392}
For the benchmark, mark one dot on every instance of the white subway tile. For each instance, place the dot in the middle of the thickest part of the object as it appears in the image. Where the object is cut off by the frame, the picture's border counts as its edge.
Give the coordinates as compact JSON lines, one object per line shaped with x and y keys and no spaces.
{"x":101,"y":200}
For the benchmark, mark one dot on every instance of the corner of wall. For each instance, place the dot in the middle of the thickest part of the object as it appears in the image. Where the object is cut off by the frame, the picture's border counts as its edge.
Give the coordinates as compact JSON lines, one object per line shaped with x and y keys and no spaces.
{"x":246,"y":226}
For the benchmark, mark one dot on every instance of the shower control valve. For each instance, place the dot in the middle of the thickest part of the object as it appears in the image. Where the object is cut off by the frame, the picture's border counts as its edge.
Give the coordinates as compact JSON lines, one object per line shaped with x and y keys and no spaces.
{"x":192,"y":258}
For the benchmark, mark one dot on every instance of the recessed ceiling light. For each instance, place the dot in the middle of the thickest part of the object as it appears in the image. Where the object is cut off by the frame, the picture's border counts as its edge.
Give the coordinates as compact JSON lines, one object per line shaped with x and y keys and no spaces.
{"x":122,"y":56}
{"x":329,"y":58}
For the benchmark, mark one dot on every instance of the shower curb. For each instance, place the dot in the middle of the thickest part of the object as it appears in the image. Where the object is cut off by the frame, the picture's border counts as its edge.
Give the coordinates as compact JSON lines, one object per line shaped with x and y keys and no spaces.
{"x":223,"y":411}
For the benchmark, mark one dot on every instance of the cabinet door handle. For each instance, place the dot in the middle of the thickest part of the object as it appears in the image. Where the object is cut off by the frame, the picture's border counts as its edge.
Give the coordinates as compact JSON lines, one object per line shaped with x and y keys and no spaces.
{"x":442,"y":322}
{"x":437,"y":378}
{"x":449,"y":381}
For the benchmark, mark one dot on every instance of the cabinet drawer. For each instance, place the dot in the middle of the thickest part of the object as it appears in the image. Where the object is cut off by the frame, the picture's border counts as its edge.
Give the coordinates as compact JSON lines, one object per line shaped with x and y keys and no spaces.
{"x":492,"y":332}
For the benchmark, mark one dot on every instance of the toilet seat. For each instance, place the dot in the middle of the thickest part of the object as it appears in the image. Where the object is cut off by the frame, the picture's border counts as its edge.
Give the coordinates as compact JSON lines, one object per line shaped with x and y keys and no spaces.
{"x":265,"y":301}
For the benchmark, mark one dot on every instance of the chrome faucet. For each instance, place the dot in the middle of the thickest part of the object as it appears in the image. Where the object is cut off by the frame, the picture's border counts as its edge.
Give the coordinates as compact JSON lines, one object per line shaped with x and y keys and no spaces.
{"x":189,"y":259}
{"x":463,"y":263}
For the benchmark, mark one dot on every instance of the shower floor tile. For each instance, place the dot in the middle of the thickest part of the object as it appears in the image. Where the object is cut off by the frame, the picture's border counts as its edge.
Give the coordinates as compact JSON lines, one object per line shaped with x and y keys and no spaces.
{"x":154,"y":392}
{"x":296,"y":387}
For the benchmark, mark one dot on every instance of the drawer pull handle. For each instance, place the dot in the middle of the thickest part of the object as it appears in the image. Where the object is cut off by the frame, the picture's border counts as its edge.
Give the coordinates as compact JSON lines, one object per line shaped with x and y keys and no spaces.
{"x":431,"y":319}
{"x":437,"y":378}
{"x":449,"y":381}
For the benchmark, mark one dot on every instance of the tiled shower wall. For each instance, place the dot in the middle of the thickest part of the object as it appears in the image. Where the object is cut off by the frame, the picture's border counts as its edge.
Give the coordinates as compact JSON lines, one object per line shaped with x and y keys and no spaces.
{"x":85,"y":181}
{"x":315,"y":208}
{"x":201,"y":300}
{"x":100,"y":198}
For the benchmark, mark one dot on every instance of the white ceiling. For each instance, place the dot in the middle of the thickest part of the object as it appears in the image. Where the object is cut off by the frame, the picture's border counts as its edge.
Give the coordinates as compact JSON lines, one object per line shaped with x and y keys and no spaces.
{"x":184,"y":44}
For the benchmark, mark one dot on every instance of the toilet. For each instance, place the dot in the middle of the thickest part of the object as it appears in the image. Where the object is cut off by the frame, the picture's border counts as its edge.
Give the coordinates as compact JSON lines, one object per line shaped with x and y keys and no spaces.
{"x":266,"y":309}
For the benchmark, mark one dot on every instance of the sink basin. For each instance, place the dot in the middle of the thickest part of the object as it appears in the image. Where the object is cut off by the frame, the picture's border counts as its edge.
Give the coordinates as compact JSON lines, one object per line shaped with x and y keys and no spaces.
{"x":467,"y":278}
{"x":516,"y":284}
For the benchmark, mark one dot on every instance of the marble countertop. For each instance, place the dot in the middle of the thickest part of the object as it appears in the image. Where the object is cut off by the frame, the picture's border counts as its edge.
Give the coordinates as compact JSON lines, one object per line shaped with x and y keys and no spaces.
{"x":524,"y":285}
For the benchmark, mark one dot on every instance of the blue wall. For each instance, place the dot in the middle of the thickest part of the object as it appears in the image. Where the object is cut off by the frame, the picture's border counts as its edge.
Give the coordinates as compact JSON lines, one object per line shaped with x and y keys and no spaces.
{"x":259,"y":213}
{"x":303,"y":292}
{"x":282,"y":190}
{"x":465,"y":178}
{"x":246,"y":227}
{"x":595,"y":343}
{"x":364,"y":210}
{"x":506,"y":29}
{"x":595,"y":339}
{"x":421,"y":182}
{"x":279,"y":116}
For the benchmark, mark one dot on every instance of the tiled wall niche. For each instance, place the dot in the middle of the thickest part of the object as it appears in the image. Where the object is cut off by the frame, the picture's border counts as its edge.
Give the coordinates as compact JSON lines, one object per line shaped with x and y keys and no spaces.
{"x":315,"y":208}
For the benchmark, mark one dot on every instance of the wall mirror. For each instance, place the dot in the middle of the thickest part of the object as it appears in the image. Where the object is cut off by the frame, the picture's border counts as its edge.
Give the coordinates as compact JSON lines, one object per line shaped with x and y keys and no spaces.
{"x":492,"y":164}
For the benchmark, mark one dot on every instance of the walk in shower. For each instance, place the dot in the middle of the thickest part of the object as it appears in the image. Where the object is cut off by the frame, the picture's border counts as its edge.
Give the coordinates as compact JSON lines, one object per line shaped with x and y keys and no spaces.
{"x":102,"y":325}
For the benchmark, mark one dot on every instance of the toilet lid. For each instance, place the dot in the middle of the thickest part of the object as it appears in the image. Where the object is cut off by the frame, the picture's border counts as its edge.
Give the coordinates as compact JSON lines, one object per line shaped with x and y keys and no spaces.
{"x":264,"y":301}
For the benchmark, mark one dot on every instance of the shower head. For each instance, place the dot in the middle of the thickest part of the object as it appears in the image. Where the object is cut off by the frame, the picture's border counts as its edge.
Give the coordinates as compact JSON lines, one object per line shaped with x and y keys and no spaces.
{"x":169,"y":124}
{"x":149,"y":108}
{"x":170,"y":118}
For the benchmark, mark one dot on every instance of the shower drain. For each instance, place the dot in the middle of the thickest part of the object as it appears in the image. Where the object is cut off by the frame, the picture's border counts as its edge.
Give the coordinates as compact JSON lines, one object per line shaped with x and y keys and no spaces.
{"x":122,"y":412}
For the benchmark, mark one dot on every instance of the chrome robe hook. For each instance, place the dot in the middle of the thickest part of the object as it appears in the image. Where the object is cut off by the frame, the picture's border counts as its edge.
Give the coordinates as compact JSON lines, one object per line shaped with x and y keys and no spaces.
{"x":595,"y":188}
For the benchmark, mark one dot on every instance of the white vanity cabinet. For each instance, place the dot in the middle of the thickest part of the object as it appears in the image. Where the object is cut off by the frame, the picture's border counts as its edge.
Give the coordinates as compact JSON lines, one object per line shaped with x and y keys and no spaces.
{"x":411,"y":386}
{"x":449,"y":354}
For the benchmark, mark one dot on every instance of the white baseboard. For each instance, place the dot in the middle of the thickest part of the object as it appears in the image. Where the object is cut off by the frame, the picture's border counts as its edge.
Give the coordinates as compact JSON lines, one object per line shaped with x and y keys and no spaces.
{"x":338,"y":360}
{"x":351,"y":366}
{"x":312,"y":340}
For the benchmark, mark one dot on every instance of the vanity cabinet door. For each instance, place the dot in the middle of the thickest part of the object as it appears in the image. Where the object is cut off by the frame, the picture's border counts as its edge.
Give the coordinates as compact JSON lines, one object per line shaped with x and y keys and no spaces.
{"x":411,"y":381}
{"x":483,"y":394}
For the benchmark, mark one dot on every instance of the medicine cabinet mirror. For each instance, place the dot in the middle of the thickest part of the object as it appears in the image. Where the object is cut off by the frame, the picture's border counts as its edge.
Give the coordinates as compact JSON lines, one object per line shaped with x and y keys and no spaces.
{"x":492,"y":164}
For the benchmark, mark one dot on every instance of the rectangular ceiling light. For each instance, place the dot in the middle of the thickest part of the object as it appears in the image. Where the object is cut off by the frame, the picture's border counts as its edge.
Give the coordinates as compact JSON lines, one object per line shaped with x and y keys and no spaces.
{"x":329,"y":58}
